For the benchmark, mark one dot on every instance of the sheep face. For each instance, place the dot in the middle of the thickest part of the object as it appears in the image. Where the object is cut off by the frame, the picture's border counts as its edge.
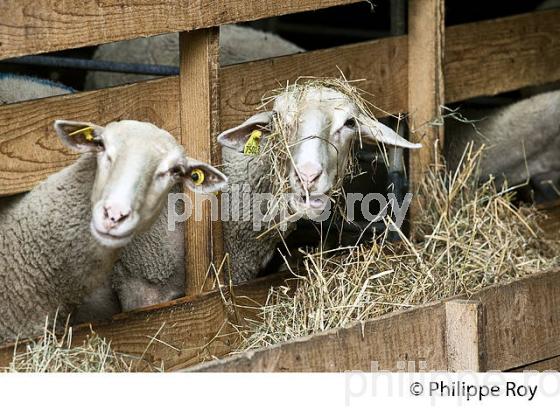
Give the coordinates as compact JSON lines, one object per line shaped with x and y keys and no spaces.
{"x":137,"y":164}
{"x":320,"y":124}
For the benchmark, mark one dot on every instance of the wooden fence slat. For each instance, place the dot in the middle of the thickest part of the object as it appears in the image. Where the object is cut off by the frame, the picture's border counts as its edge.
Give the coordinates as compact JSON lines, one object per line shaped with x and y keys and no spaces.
{"x":199,"y":127}
{"x":29,"y":152}
{"x":521,"y":325}
{"x":31,"y":27}
{"x":426,"y":29}
{"x":464,"y":336}
{"x":411,"y":340}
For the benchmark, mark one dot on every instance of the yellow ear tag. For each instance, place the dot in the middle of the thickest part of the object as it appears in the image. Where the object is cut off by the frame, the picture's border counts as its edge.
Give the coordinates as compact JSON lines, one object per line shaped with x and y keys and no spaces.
{"x":252,"y":145}
{"x":197,"y":176}
{"x":87,"y":131}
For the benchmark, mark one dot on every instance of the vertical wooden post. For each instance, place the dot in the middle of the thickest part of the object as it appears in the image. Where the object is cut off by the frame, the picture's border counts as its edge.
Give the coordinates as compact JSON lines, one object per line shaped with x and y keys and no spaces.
{"x":464,"y":336}
{"x":425,"y":87}
{"x":199,"y":126}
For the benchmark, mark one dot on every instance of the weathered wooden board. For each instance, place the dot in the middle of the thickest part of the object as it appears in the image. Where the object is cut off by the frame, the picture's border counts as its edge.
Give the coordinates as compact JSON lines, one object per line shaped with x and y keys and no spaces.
{"x":183,"y":332}
{"x":522,"y":322}
{"x":31,"y":27}
{"x":29,"y":148}
{"x":29,"y":151}
{"x":199,"y":94}
{"x":407,"y":341}
{"x":520,"y":325}
{"x":491,"y":57}
{"x":552,"y":364}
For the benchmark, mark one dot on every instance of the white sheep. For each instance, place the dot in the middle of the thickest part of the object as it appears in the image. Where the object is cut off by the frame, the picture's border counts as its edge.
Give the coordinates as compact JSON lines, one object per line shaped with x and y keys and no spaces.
{"x":322,"y":123}
{"x":237,"y":45}
{"x":152,"y":269}
{"x":59,"y":241}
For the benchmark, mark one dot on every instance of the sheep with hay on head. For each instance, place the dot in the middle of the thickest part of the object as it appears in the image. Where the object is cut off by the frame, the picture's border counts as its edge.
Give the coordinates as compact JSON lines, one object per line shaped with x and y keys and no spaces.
{"x":60,"y":241}
{"x":302,"y":147}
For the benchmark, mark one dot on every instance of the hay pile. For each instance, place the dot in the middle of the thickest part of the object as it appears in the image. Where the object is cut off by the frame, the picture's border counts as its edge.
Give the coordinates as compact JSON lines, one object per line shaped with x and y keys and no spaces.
{"x":472,"y":237}
{"x":52,"y":353}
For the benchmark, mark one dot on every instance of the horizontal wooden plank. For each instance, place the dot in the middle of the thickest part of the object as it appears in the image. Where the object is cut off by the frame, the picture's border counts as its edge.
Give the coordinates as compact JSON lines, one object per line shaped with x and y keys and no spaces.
{"x":29,"y":151}
{"x":412,"y":340}
{"x":29,"y":148}
{"x":181,"y":333}
{"x":31,"y":27}
{"x":495,"y":56}
{"x":541,"y":366}
{"x":521,"y":325}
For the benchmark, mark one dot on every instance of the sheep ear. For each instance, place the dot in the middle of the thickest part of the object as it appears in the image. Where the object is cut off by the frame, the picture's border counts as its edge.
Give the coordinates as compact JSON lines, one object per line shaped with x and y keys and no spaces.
{"x":79,"y":136}
{"x":200,"y":177}
{"x":373,"y":131}
{"x":236,"y":138}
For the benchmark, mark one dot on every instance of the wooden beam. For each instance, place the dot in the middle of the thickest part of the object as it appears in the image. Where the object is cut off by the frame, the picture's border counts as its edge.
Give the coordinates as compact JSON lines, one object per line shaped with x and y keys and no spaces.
{"x":412,"y":340}
{"x":180,"y":333}
{"x":426,"y":27}
{"x":31,"y":27}
{"x":463,"y":336}
{"x":199,"y":128}
{"x":29,"y":150}
{"x":521,"y":325}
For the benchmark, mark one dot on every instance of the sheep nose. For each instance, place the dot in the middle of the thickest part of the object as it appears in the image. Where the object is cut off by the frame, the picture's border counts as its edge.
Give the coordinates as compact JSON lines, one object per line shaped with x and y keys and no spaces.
{"x":115,"y":213}
{"x":309,"y":173}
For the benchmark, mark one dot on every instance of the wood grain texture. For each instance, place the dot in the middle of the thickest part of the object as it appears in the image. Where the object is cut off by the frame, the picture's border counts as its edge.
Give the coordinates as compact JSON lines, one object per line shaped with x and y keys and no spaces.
{"x":426,"y":29}
{"x":381,"y":64}
{"x":522,"y":321}
{"x":31,"y":27}
{"x":464,"y":336}
{"x":180,"y":333}
{"x":414,"y":339}
{"x":520,"y":325}
{"x":495,"y":56}
{"x":552,"y":364}
{"x":29,"y":150}
{"x":199,"y":128}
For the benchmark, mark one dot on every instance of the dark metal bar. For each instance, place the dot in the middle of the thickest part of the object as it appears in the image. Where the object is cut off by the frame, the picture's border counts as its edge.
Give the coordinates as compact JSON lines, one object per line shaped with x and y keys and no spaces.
{"x":95,"y":65}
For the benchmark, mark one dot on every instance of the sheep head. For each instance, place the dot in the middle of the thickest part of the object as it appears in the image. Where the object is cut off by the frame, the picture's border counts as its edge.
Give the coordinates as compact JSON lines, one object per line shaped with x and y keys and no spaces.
{"x":137,"y":165}
{"x":320,"y":124}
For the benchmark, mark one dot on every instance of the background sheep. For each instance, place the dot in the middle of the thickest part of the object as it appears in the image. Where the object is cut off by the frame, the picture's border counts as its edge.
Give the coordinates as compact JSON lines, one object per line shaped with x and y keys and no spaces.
{"x":60,"y":240}
{"x":16,"y":88}
{"x":522,"y":143}
{"x":237,"y":45}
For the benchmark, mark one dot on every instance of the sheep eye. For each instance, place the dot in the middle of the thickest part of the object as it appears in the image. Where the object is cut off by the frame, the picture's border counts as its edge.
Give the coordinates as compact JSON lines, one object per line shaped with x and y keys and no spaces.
{"x":197,"y":176}
{"x":350,"y":123}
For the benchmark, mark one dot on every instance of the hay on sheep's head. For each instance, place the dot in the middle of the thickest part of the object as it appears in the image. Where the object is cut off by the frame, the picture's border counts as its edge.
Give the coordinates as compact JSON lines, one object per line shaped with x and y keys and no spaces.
{"x":291,"y":104}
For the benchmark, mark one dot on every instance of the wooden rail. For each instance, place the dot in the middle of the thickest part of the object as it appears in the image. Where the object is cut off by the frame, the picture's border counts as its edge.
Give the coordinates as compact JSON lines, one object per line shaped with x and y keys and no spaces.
{"x":31,"y":27}
{"x":512,"y":326}
{"x":29,"y":152}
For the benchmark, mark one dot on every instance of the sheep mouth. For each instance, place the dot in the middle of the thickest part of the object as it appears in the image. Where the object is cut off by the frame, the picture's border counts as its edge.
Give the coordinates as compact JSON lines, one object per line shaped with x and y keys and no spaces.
{"x":313,"y":204}
{"x":109,"y":239}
